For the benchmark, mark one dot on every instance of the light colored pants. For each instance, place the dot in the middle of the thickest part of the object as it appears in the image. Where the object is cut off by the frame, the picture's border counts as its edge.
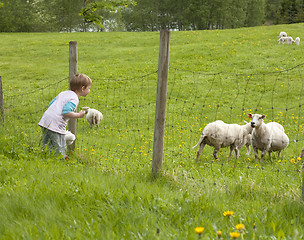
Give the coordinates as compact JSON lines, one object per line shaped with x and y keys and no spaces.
{"x":54,"y":141}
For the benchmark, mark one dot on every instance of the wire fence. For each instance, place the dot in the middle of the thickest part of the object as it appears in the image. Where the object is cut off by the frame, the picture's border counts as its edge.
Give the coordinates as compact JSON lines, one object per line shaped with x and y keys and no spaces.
{"x":194,"y":99}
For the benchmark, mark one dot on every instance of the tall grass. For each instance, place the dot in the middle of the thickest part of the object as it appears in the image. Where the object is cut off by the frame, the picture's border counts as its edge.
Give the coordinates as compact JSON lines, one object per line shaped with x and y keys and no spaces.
{"x":105,"y":190}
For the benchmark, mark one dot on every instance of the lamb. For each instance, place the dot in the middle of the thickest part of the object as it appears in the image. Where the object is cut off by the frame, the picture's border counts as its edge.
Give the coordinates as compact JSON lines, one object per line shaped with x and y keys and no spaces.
{"x":289,"y":40}
{"x":220,"y":135}
{"x":297,"y":41}
{"x":268,"y":137}
{"x":69,"y":138}
{"x":282,"y":34}
{"x":248,"y":141}
{"x":94,"y":117}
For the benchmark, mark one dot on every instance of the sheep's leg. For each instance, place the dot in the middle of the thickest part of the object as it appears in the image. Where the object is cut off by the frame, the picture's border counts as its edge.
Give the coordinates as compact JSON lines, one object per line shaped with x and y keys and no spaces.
{"x":279,"y":154}
{"x":237,"y":153}
{"x":231,"y":150}
{"x":235,"y":150}
{"x":200,"y":150}
{"x":263,"y":154}
{"x":248,"y":149}
{"x":216,"y":149}
{"x":256,"y":152}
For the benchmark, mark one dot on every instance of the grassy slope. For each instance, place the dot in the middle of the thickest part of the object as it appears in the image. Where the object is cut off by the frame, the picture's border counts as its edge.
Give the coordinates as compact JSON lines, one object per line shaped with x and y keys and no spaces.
{"x":44,"y":198}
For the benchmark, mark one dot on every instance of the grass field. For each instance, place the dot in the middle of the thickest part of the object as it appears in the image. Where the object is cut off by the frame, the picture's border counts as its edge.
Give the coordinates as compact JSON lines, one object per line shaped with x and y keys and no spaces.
{"x":105,"y":190}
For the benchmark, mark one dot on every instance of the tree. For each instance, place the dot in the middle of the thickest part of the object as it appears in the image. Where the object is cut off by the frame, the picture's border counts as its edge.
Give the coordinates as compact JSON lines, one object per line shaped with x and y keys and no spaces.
{"x":255,"y":13}
{"x":94,"y":10}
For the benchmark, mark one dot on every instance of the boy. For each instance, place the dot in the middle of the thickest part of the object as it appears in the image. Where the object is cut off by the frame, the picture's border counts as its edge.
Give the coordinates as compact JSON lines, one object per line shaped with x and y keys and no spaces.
{"x":61,"y":109}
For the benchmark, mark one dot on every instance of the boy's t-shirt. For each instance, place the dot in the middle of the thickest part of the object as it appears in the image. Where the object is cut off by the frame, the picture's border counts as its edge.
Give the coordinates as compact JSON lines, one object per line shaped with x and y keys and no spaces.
{"x":53,"y":118}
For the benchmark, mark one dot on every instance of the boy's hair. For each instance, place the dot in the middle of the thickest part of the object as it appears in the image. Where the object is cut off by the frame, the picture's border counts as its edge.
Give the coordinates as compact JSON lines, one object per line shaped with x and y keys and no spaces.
{"x":79,"y":80}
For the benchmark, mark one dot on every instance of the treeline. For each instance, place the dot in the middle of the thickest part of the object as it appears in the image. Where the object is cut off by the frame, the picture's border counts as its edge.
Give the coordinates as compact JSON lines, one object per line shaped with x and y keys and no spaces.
{"x":144,"y":15}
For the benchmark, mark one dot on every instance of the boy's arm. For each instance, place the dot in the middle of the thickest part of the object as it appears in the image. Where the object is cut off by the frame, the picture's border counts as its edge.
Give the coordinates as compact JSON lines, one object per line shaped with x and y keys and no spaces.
{"x":75,"y":114}
{"x":68,"y":111}
{"x":51,"y":102}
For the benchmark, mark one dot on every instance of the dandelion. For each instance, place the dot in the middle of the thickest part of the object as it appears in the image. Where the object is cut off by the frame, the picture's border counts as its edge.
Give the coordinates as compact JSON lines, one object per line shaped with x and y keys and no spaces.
{"x":199,"y":230}
{"x":299,"y":159}
{"x":240,"y":227}
{"x":234,"y":234}
{"x":228,"y":213}
{"x":219,"y":234}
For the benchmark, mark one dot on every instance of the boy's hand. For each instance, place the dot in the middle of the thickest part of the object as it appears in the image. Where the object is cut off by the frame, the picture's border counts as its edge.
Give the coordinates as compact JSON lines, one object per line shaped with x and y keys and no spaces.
{"x":75,"y":114}
{"x":81,"y":113}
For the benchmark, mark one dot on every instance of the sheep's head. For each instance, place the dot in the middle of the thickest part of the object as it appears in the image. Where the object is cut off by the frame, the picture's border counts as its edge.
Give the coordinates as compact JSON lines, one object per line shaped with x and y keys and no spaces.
{"x":85,"y":109}
{"x":248,"y":127}
{"x":256,"y":119}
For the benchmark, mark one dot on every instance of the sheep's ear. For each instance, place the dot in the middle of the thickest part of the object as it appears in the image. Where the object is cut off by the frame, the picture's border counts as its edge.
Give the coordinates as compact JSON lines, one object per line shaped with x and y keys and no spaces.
{"x":249,"y":115}
{"x":263,"y":116}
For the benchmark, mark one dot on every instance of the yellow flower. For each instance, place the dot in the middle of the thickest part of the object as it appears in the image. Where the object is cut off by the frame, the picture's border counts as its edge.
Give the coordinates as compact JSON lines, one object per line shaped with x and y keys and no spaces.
{"x":234,"y":234}
{"x":299,"y":159}
{"x":228,"y":213}
{"x":240,"y":227}
{"x":219,"y":234}
{"x":199,"y":230}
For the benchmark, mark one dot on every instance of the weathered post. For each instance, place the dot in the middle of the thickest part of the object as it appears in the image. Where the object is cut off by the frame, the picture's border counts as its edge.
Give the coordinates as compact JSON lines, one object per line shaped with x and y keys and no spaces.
{"x":73,"y":59}
{"x":303,"y":183}
{"x":161,"y":100}
{"x":1,"y":101}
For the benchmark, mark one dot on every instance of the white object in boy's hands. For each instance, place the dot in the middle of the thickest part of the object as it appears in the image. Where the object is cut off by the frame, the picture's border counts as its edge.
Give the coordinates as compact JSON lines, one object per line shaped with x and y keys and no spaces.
{"x":94,"y":117}
{"x":69,"y":138}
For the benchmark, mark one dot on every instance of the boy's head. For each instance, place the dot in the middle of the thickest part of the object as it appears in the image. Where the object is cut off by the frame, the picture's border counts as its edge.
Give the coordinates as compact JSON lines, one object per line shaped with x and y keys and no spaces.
{"x":80,"y":80}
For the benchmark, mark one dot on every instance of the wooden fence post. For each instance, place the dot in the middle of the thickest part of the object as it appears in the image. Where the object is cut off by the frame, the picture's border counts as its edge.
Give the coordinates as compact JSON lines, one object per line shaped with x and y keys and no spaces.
{"x":161,"y":100}
{"x":73,"y":59}
{"x":1,"y":101}
{"x":303,"y":183}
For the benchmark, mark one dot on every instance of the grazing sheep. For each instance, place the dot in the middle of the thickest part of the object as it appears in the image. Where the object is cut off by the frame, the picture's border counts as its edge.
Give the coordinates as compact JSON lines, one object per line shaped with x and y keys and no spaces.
{"x":94,"y":117}
{"x":289,"y":40}
{"x":297,"y":41}
{"x":282,"y":34}
{"x":268,"y":137}
{"x":220,"y":135}
{"x":248,"y":141}
{"x":69,"y":138}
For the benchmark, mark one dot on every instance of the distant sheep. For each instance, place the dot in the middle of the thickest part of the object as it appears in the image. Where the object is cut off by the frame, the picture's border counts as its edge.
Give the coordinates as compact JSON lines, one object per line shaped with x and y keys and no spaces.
{"x":282,"y":34}
{"x":220,"y":135}
{"x":69,"y":138}
{"x":297,"y":41}
{"x":289,"y":40}
{"x":94,"y":117}
{"x":268,"y":137}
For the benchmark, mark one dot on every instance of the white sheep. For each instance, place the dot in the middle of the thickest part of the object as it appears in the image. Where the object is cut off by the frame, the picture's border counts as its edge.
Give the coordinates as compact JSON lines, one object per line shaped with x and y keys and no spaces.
{"x":220,"y":135}
{"x":248,"y":141}
{"x":289,"y":40}
{"x":297,"y":41}
{"x":94,"y":117}
{"x":69,"y":138}
{"x":269,"y":137}
{"x":282,"y":34}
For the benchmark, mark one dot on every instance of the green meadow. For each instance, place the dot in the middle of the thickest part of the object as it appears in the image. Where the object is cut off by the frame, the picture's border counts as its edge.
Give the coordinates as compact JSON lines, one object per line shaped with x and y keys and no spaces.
{"x":106,"y":189}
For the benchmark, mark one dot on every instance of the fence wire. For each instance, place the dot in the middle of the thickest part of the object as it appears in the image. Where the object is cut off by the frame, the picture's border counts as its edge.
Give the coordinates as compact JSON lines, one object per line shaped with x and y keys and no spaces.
{"x":194,"y":99}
